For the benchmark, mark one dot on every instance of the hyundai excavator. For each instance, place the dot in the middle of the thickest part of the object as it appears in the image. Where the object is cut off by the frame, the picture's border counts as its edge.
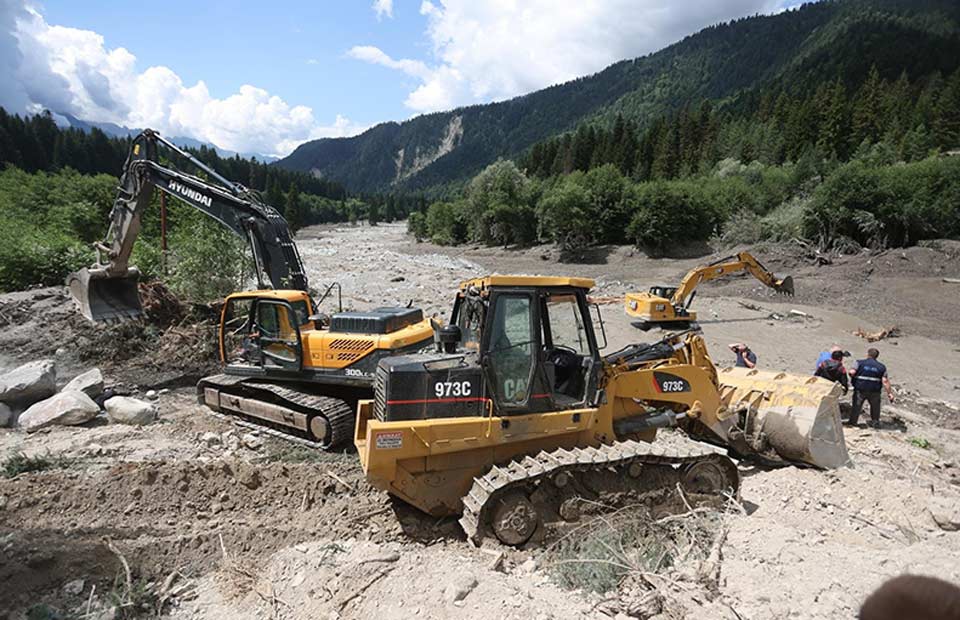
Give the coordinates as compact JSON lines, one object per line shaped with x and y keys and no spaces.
{"x":287,"y":367}
{"x":518,"y":424}
{"x":668,"y":307}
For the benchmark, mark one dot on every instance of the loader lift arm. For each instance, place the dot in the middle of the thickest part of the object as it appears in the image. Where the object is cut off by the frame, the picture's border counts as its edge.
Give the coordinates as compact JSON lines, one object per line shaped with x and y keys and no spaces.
{"x":107,"y":291}
{"x":669,"y":307}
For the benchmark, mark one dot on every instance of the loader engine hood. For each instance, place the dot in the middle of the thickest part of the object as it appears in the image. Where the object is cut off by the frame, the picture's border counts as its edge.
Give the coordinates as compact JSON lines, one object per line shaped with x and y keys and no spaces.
{"x":429,"y":385}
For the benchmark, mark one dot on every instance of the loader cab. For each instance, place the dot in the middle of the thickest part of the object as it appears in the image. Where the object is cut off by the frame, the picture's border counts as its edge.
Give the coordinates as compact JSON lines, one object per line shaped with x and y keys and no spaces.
{"x":535,"y":340}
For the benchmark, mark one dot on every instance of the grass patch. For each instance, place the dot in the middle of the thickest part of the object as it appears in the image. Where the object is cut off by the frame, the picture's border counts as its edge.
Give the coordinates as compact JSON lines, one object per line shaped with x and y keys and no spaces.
{"x":598,"y":555}
{"x":920,"y":442}
{"x":285,"y":452}
{"x":20,"y":463}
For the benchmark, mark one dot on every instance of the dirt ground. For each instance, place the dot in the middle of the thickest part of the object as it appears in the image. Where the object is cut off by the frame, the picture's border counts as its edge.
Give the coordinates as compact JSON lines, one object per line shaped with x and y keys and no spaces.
{"x":214,"y":522}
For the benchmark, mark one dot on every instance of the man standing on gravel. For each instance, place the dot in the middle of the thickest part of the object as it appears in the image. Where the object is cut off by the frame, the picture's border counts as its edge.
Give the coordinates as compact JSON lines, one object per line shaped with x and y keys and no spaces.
{"x":869,"y":375}
{"x":745,"y":357}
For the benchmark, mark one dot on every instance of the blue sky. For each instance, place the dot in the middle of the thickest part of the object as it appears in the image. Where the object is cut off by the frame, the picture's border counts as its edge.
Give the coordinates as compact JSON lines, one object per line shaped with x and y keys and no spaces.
{"x":267,"y":44}
{"x":264,"y":77}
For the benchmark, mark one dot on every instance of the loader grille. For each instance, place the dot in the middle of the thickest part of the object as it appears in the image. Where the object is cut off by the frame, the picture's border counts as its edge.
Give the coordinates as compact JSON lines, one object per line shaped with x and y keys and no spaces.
{"x":380,"y":394}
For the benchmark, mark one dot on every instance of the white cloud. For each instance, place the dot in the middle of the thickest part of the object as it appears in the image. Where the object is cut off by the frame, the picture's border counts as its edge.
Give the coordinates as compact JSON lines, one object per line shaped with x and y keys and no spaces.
{"x":313,"y":61}
{"x":484,"y":51}
{"x":383,"y":7}
{"x":375,"y":55}
{"x":69,"y":70}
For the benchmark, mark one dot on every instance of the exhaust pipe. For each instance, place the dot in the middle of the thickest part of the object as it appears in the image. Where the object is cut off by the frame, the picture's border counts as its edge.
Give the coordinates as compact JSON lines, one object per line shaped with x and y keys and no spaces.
{"x":106,"y":298}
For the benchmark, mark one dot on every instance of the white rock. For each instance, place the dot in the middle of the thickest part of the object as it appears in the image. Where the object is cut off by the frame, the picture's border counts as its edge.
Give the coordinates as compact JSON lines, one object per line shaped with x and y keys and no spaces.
{"x":126,"y":410}
{"x":74,"y":587}
{"x":459,"y":588}
{"x":29,"y":383}
{"x":66,"y":408}
{"x":90,"y":383}
{"x":210,"y":439}
{"x":6,"y":415}
{"x":251,"y":441}
{"x":152,"y":395}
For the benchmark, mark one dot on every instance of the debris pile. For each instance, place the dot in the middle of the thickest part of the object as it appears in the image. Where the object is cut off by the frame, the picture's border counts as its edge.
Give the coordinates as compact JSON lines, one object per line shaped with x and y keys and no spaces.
{"x":883,"y":334}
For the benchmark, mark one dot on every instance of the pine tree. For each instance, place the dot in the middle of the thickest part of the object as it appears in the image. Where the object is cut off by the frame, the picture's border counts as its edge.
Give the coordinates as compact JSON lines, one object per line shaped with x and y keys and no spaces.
{"x":293,"y":208}
{"x":868,"y":108}
{"x":946,"y":124}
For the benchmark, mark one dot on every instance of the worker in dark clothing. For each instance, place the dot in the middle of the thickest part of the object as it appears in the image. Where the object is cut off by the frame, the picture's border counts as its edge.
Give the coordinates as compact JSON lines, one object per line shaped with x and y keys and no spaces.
{"x":832,"y":369}
{"x":869,"y":378}
{"x":745,"y":357}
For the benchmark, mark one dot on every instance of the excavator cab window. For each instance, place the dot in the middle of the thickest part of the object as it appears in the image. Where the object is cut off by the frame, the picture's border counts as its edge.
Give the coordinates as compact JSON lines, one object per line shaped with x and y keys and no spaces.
{"x":278,"y":335}
{"x":235,"y":330}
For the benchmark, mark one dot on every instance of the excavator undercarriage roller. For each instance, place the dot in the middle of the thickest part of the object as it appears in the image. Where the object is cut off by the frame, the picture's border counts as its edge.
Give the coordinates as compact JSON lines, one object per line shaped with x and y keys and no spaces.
{"x":524,"y":499}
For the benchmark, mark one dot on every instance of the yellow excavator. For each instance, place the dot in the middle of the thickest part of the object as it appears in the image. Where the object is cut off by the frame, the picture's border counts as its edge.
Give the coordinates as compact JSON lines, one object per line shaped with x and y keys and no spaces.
{"x":518,"y":424}
{"x":287,"y":367}
{"x":668,"y":307}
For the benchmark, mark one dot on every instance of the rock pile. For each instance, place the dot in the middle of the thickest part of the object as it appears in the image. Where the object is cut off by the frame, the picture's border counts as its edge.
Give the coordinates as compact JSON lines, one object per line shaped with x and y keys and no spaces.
{"x":29,"y":399}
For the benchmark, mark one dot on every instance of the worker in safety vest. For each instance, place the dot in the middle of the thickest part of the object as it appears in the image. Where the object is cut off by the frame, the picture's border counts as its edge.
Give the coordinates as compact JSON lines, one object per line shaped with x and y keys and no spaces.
{"x":869,"y":378}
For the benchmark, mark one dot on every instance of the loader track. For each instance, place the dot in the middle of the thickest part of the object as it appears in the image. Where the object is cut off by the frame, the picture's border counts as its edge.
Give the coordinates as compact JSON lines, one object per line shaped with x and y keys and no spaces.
{"x":339,"y":416}
{"x":523,"y":495}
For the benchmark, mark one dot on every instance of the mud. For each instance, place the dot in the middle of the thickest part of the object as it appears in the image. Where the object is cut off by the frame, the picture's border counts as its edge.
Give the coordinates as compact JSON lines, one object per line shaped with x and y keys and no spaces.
{"x":285,"y":532}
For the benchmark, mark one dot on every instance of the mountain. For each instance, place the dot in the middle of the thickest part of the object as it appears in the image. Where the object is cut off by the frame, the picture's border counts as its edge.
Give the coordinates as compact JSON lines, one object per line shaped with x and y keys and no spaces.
{"x":119,"y":131}
{"x":796,"y":50}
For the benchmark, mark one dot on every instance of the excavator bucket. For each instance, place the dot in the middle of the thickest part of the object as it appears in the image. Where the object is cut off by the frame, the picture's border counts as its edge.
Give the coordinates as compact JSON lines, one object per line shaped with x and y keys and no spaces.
{"x":104,"y":298}
{"x":784,"y":286}
{"x":781,"y":417}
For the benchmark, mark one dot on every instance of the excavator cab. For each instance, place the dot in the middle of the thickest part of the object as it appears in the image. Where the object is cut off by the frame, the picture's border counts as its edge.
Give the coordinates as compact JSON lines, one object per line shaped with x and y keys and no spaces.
{"x":260,"y":331}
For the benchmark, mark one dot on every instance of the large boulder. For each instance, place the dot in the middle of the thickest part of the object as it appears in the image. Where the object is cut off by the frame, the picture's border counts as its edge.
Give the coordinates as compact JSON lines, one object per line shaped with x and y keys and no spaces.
{"x":90,"y":383}
{"x":6,"y":415}
{"x":126,"y":410}
{"x":66,"y":408}
{"x":29,"y":383}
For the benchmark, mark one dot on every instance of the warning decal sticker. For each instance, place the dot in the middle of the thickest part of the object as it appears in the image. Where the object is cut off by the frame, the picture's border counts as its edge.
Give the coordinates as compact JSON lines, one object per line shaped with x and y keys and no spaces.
{"x":390,"y":441}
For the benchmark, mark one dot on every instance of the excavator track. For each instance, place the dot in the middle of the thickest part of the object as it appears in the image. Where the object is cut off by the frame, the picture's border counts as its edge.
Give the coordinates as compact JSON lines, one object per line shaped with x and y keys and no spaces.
{"x":515,"y":500}
{"x":304,"y":418}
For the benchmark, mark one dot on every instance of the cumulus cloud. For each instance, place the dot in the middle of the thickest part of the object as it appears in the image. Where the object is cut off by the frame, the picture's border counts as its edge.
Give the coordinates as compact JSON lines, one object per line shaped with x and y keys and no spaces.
{"x":383,"y":7}
{"x":484,"y":51}
{"x":72,"y":71}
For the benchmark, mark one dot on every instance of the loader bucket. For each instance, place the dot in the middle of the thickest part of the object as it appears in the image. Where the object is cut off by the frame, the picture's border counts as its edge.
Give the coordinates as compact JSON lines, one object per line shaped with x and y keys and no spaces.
{"x":103,"y":298}
{"x":784,"y":417}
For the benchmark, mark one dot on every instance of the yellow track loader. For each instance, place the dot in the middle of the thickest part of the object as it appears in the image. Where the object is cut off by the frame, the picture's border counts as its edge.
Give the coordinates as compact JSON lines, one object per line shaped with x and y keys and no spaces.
{"x":517,"y":423}
{"x":669,"y":307}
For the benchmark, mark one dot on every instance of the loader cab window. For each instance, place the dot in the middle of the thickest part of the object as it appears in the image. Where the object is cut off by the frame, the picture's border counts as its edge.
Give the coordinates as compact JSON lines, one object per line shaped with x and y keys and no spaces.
{"x":567,"y":350}
{"x":302,"y":310}
{"x":469,"y":318}
{"x":511,"y":346}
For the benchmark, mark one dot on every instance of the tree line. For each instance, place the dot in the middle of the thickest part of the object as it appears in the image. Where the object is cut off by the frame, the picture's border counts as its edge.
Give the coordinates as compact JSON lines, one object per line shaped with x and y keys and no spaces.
{"x":772,"y":126}
{"x":36,"y":143}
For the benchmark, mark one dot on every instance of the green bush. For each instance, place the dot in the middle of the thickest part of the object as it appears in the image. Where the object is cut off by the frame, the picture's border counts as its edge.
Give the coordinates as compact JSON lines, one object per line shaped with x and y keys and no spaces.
{"x":566,"y":217}
{"x":33,"y":257}
{"x":881,"y":206}
{"x":417,"y":226}
{"x":670,"y":214}
{"x":446,"y":224}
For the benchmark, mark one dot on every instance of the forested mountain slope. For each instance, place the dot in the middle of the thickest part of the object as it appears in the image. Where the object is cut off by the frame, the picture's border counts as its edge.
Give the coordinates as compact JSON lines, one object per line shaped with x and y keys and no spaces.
{"x":730,"y":64}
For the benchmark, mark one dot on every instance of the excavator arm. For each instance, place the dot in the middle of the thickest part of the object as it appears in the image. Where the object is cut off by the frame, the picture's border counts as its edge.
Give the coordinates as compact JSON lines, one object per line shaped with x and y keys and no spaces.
{"x":744,"y":261}
{"x":108,"y":290}
{"x":669,"y":307}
